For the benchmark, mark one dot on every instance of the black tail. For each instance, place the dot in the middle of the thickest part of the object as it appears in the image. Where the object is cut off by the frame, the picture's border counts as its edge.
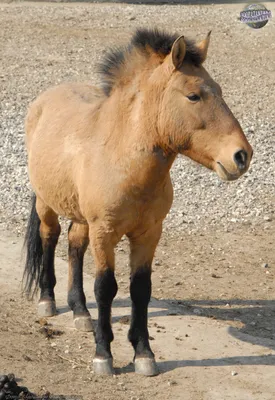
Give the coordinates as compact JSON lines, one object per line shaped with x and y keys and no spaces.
{"x":34,"y":250}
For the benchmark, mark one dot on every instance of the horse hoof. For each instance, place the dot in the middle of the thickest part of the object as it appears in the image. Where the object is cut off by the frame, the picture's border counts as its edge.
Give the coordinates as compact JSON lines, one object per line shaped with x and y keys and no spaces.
{"x":84,"y":324}
{"x":103,"y":366}
{"x":47,"y":308}
{"x":146,"y":366}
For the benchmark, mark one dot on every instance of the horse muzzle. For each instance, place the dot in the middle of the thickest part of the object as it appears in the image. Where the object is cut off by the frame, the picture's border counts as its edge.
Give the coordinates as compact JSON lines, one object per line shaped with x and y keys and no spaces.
{"x":237,"y":166}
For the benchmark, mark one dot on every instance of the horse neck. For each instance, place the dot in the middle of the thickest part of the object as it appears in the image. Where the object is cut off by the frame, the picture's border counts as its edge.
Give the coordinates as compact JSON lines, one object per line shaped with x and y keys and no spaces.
{"x":133,"y":132}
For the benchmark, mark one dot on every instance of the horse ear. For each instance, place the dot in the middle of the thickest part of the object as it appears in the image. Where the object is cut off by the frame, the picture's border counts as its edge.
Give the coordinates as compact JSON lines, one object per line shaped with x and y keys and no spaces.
{"x":203,"y":46}
{"x":178,"y":52}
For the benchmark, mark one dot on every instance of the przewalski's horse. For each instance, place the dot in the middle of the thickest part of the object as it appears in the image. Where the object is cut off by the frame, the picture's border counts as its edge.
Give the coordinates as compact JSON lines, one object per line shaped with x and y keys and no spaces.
{"x":101,"y":157}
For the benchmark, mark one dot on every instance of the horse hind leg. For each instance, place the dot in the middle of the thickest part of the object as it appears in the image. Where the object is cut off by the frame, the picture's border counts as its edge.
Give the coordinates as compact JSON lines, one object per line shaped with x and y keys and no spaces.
{"x":78,"y":236}
{"x":49,"y":233}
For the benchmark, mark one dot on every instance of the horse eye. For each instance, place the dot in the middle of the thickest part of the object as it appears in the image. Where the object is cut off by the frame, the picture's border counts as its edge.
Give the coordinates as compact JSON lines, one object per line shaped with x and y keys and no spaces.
{"x":193,"y":97}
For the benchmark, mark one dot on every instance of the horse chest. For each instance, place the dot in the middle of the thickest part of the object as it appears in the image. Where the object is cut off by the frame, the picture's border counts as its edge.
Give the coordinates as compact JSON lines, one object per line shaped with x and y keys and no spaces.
{"x":147,"y":205}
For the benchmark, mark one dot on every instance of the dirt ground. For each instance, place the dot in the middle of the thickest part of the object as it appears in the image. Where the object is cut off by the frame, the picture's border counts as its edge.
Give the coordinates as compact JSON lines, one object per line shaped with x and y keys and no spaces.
{"x":211,"y":324}
{"x":212,"y":315}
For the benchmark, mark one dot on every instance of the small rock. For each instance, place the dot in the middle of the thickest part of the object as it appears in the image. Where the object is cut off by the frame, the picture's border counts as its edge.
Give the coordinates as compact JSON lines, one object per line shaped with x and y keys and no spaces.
{"x":125,"y":320}
{"x":265,"y":265}
{"x":157,"y":262}
{"x":172,"y":383}
{"x":234,"y":373}
{"x":26,"y":358}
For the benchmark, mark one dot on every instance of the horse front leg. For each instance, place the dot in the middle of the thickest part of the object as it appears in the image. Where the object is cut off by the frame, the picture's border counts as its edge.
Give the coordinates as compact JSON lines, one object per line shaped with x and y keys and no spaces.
{"x":105,"y":289}
{"x":141,"y":257}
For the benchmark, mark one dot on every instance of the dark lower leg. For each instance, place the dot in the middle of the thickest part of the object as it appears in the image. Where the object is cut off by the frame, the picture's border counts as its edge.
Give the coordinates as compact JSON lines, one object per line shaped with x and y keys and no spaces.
{"x":76,"y":296}
{"x":78,"y":242}
{"x":105,"y":291}
{"x":140,"y":289}
{"x":47,"y":279}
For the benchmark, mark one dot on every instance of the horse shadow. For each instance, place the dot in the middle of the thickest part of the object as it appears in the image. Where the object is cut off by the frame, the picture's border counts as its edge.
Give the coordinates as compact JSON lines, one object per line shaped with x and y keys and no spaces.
{"x":255,"y":320}
{"x":256,"y":325}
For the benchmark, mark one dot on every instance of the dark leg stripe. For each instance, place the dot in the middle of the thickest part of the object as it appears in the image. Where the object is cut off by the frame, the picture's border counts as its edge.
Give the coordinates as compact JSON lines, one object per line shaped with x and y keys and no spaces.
{"x":105,"y":291}
{"x":47,"y":279}
{"x":140,"y":289}
{"x":76,"y":296}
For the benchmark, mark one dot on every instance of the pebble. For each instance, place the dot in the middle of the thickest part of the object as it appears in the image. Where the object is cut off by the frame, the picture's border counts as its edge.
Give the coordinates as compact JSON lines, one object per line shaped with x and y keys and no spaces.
{"x":197,"y":311}
{"x":265,"y":265}
{"x":172,"y":383}
{"x":234,"y":373}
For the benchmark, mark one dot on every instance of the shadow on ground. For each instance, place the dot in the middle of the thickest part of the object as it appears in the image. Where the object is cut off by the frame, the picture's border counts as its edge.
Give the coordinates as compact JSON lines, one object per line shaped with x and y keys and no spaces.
{"x":255,"y":320}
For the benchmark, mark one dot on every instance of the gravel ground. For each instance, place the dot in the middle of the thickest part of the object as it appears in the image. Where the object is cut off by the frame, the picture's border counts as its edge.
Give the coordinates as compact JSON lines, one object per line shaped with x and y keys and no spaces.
{"x":45,"y":44}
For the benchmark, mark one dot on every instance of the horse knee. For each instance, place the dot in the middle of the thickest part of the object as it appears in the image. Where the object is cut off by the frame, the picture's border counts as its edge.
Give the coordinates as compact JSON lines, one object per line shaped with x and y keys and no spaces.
{"x":141,"y":286}
{"x":78,"y":236}
{"x":105,"y":287}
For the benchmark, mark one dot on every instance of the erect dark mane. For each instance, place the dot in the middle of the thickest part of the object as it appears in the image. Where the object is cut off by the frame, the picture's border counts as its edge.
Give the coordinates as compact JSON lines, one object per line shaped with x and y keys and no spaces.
{"x":146,"y":40}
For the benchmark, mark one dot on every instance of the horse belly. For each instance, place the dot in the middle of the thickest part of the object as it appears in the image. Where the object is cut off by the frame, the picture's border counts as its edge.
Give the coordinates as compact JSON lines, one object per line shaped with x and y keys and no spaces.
{"x":52,"y":181}
{"x":61,"y":199}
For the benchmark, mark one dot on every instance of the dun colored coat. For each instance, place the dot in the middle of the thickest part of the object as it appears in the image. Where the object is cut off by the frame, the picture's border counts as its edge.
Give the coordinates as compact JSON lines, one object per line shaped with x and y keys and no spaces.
{"x":101,"y":157}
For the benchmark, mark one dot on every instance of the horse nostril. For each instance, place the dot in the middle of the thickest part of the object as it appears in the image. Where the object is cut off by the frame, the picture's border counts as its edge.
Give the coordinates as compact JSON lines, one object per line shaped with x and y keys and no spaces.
{"x":240,"y":158}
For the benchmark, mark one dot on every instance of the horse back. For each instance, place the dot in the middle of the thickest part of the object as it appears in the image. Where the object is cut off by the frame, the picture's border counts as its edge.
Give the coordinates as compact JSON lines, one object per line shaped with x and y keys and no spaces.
{"x":59,"y":102}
